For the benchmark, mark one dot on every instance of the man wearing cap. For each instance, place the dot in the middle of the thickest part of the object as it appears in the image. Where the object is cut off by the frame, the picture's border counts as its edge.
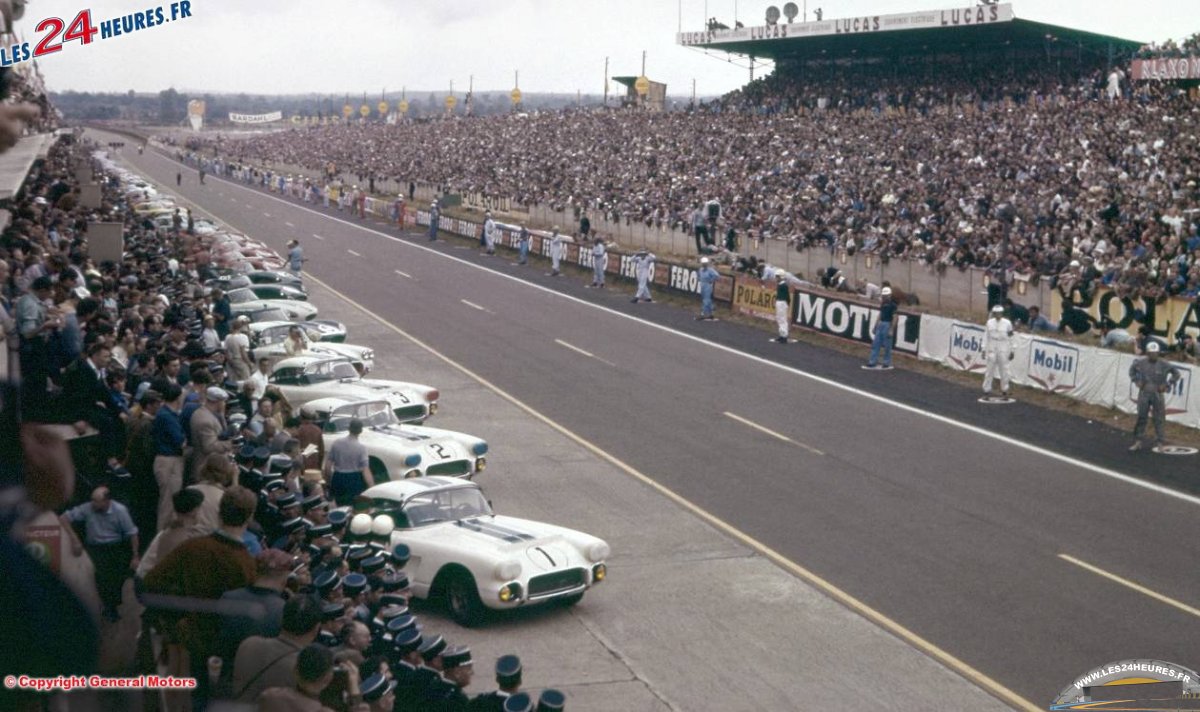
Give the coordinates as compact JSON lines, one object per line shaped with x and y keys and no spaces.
{"x":508,"y":678}
{"x":885,"y":332}
{"x":428,"y":675}
{"x":599,"y":261}
{"x":520,"y":702}
{"x":207,"y":427}
{"x":434,"y":216}
{"x":551,"y":701}
{"x":997,"y":350}
{"x":708,"y":280}
{"x":643,"y":268}
{"x":260,"y":605}
{"x":523,"y":240}
{"x":347,"y":467}
{"x":488,"y":239}
{"x":405,"y":667}
{"x":557,"y":248}
{"x":1153,"y":378}
{"x":783,"y":295}
{"x":295,"y":257}
{"x":379,"y":693}
{"x":457,"y":669}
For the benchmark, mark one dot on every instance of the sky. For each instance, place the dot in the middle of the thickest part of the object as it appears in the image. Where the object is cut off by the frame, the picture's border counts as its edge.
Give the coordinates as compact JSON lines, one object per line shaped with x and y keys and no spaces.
{"x":304,"y":46}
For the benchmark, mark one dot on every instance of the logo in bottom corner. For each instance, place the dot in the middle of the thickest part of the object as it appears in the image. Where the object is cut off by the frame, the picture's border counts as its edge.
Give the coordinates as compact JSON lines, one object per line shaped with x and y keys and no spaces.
{"x":1134,"y":685}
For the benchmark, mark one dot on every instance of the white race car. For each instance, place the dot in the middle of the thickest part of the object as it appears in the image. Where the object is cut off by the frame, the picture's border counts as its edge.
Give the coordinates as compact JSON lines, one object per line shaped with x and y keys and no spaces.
{"x":307,"y":378}
{"x":269,"y":338}
{"x":472,"y":559}
{"x":243,"y":300}
{"x":398,"y":451}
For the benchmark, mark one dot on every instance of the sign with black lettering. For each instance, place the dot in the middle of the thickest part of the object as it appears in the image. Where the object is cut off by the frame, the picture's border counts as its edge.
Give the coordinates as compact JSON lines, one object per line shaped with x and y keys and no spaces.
{"x":850,"y":319}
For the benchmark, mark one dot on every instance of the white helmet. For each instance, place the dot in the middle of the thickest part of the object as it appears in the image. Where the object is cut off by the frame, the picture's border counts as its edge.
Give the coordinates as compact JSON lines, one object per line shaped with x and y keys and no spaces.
{"x":703,"y":260}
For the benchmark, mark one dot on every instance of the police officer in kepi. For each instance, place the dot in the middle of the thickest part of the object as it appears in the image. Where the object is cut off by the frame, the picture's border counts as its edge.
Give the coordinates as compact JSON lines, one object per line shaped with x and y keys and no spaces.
{"x":508,"y":678}
{"x":1153,"y":377}
{"x":643,"y":266}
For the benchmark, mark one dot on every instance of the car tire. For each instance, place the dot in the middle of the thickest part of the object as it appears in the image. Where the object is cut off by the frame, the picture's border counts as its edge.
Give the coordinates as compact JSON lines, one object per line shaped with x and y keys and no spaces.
{"x":462,"y":599}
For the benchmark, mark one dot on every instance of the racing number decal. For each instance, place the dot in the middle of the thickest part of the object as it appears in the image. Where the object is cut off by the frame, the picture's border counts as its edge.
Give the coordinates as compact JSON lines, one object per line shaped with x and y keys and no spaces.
{"x":403,"y":398}
{"x":441,"y":451}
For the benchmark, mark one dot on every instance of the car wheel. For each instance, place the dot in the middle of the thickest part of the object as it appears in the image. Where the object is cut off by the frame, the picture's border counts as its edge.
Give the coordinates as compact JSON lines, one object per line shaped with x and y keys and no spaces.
{"x":462,"y":600}
{"x":572,"y":600}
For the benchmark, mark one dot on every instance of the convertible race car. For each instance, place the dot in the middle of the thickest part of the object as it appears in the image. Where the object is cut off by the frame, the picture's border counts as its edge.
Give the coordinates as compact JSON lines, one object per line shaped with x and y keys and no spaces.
{"x":268,"y":340}
{"x":245,"y":300}
{"x":398,"y":451}
{"x":464,"y":554}
{"x":317,"y":329}
{"x":307,"y":378}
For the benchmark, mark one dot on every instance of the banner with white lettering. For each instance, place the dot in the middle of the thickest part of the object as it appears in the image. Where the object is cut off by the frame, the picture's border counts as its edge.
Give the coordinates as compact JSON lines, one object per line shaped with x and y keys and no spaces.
{"x":256,"y":118}
{"x":1166,"y":69}
{"x":1086,"y":373}
{"x":851,"y":319}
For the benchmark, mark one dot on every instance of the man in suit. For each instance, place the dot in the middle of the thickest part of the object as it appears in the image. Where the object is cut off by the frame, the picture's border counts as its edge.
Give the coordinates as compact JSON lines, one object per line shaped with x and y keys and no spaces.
{"x":86,"y":401}
{"x":508,"y":678}
{"x":207,"y":426}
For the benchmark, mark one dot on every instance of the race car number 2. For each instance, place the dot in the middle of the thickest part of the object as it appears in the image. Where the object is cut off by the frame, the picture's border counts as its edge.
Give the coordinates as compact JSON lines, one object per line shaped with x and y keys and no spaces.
{"x":56,"y":32}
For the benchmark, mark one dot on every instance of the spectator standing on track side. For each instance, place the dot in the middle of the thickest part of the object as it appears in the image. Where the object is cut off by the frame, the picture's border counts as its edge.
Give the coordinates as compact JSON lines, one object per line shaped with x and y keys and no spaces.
{"x":112,"y":544}
{"x":783,"y":293}
{"x":997,"y":350}
{"x":201,"y":174}
{"x":557,"y":246}
{"x":434,"y":215}
{"x":488,"y":238}
{"x":523,"y":239}
{"x":178,"y":178}
{"x":699,"y":229}
{"x":599,"y":260}
{"x":643,"y":267}
{"x":585,"y":225}
{"x":295,"y":257}
{"x":885,"y":332}
{"x":708,"y":280}
{"x":1153,"y":378}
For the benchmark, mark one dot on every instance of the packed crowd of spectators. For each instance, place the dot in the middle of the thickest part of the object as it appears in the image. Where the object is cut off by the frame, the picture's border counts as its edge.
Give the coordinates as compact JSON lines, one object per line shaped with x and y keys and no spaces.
{"x":193,"y":475}
{"x":907,"y":164}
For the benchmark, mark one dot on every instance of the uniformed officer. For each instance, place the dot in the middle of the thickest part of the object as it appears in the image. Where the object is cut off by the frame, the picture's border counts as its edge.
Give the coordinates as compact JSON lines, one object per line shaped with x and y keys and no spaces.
{"x":997,"y":350}
{"x":428,"y":675}
{"x":379,"y":693}
{"x":405,"y":667}
{"x":333,"y":622}
{"x":1153,"y":377}
{"x":508,"y":678}
{"x":434,"y":216}
{"x":520,"y":702}
{"x":599,"y":261}
{"x":523,"y":240}
{"x":551,"y":701}
{"x":783,"y":295}
{"x":708,"y":280}
{"x":557,"y":248}
{"x":457,"y":670}
{"x":488,"y":240}
{"x":643,"y":266}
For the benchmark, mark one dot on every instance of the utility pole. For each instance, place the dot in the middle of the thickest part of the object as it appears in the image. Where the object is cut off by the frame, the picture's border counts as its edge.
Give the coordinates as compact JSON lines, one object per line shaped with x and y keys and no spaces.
{"x":693,"y":91}
{"x":606,"y":81}
{"x":643,"y":63}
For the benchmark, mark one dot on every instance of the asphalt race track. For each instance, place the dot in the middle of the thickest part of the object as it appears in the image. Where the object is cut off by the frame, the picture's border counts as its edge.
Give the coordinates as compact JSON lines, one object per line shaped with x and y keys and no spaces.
{"x":957,"y":536}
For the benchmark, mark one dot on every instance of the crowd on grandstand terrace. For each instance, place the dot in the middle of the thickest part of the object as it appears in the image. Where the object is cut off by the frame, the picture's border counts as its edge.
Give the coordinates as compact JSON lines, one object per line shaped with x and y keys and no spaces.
{"x":1189,"y":47}
{"x":1101,"y":172}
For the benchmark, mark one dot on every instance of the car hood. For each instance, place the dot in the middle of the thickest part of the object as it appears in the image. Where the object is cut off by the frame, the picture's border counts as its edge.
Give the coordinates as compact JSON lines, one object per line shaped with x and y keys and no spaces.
{"x":537,"y":546}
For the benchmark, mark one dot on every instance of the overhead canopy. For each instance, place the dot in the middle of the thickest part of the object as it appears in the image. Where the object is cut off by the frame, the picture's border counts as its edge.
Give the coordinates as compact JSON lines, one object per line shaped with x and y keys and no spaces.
{"x":16,"y":162}
{"x":969,"y":29}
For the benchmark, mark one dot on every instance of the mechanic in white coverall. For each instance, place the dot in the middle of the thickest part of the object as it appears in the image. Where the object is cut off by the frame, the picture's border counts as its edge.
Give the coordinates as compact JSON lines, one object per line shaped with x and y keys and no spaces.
{"x":997,"y":350}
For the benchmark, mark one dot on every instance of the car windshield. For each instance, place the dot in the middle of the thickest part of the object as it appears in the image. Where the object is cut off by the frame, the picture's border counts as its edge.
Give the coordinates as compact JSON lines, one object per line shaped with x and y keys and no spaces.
{"x":270,"y":315}
{"x":446,"y":505}
{"x":373,"y":414}
{"x":330,"y":371}
{"x":241,"y":296}
{"x":274,"y":335}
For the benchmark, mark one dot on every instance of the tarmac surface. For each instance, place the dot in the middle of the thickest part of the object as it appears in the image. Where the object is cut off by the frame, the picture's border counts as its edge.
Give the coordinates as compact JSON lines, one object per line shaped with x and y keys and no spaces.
{"x":847,"y":539}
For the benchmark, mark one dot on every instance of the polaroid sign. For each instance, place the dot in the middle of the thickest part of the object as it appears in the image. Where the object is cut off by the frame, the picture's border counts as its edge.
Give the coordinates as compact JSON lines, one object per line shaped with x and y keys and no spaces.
{"x":1053,"y":366}
{"x":851,"y":320}
{"x":1176,"y":397}
{"x":966,"y":347}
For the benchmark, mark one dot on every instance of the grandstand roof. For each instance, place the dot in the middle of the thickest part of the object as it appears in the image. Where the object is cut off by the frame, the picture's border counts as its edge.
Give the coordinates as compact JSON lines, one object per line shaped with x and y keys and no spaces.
{"x":976,"y":28}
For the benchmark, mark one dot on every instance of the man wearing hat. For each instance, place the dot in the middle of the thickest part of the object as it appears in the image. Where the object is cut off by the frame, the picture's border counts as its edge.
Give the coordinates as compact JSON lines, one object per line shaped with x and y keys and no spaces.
{"x":488,"y":239}
{"x":997,"y":350}
{"x":405,"y":667}
{"x":551,"y":701}
{"x":434,"y":215}
{"x":558,"y":247}
{"x":708,"y":280}
{"x":508,"y":678}
{"x":885,"y":332}
{"x":1153,"y":378}
{"x":428,"y":675}
{"x":523,"y":240}
{"x":520,"y":702}
{"x":207,"y":427}
{"x":643,"y":267}
{"x":599,"y":261}
{"x":379,"y":693}
{"x":447,"y":691}
{"x":783,"y":296}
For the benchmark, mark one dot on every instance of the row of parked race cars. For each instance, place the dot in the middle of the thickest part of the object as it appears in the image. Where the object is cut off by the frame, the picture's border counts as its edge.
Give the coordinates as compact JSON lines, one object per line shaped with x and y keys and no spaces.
{"x":462,"y":553}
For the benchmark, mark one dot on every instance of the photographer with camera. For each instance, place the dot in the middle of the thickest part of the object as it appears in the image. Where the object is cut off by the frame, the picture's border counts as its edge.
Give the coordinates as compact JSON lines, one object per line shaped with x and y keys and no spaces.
{"x":314,"y":671}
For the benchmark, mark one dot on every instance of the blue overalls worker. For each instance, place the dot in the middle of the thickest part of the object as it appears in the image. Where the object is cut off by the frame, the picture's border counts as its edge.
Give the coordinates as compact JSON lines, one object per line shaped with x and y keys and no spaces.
{"x":1153,"y":377}
{"x":557,"y":246}
{"x":523,"y":239}
{"x":884,"y":332}
{"x":434,"y":215}
{"x":295,"y":257}
{"x":599,"y":260}
{"x":708,"y":279}
{"x":643,"y":265}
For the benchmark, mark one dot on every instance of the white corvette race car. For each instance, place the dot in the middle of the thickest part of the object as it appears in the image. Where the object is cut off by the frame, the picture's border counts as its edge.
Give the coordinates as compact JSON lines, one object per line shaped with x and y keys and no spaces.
{"x":398,"y":451}
{"x":302,"y":379}
{"x":244,"y":300}
{"x":473,"y":559}
{"x":268,"y":339}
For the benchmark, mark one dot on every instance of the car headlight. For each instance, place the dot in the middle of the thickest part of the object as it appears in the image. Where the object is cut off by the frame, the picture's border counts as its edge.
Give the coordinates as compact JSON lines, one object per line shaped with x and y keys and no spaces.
{"x":479,"y":449}
{"x":599,"y":572}
{"x":412,"y":460}
{"x":510,"y":593}
{"x":507,"y":570}
{"x":480,"y":464}
{"x":598,"y":552}
{"x":368,"y":355}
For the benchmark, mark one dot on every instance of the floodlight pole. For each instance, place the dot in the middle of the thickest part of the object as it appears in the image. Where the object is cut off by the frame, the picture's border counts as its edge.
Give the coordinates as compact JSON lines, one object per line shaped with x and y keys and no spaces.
{"x":606,"y":81}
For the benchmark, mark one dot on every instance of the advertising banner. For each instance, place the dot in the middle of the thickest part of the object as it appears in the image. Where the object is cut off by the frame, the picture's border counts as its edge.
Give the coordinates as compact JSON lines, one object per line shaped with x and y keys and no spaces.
{"x":754,"y":297}
{"x":850,"y":319}
{"x":1168,"y":319}
{"x":256,"y":118}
